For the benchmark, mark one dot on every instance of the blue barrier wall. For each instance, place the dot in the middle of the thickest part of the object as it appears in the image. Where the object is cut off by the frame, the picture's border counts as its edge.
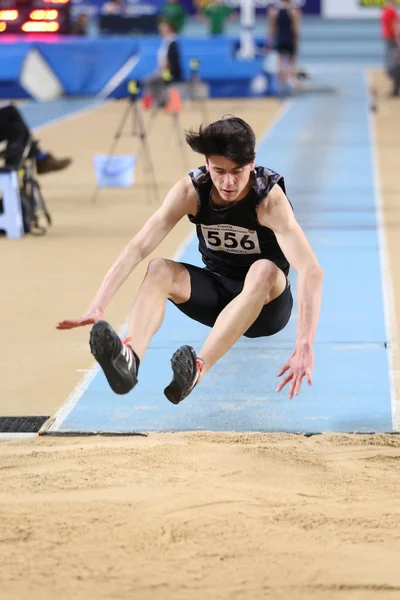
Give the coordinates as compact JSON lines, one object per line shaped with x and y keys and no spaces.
{"x":12,"y":57}
{"x":85,"y":66}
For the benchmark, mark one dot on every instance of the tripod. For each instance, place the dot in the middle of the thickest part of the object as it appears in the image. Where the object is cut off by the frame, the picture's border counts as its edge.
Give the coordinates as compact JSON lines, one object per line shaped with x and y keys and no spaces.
{"x":137,"y":130}
{"x":31,"y":194}
{"x":165,"y":94}
{"x":171,"y":103}
{"x":197,"y":89}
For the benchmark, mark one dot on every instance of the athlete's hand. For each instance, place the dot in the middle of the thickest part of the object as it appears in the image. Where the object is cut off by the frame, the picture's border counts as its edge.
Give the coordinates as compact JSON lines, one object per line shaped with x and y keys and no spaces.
{"x":299,"y":365}
{"x":88,"y":318}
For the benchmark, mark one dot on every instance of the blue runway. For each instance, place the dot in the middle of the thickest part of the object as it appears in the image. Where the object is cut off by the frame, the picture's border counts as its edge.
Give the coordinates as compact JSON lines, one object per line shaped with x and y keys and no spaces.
{"x":322,"y":145}
{"x":39,"y":114}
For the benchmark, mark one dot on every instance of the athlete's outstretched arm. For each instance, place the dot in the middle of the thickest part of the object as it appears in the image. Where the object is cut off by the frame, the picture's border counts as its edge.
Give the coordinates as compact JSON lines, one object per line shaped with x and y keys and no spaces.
{"x":181,"y":200}
{"x":277,"y":214}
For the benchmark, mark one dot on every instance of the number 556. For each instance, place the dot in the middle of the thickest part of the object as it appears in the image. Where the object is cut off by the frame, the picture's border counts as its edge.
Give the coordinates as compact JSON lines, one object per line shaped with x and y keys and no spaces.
{"x":230,"y":240}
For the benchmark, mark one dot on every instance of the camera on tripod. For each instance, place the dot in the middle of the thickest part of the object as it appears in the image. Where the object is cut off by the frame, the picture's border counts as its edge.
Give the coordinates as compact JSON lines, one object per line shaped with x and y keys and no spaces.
{"x":194,"y":66}
{"x":134,"y":89}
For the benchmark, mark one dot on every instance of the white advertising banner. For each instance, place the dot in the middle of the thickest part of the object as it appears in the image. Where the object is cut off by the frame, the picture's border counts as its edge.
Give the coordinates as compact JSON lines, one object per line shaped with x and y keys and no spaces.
{"x":360,"y":9}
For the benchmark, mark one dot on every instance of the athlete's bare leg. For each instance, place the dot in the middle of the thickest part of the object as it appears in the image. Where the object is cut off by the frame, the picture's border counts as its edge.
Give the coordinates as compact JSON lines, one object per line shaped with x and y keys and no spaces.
{"x":264,"y":282}
{"x":164,"y":279}
{"x":282,"y":71}
{"x":293,"y":70}
{"x":119,"y":359}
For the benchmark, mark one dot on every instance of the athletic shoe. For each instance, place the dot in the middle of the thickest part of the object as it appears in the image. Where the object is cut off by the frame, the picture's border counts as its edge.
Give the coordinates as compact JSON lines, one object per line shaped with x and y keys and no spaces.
{"x":115,"y":357}
{"x":186,"y":368}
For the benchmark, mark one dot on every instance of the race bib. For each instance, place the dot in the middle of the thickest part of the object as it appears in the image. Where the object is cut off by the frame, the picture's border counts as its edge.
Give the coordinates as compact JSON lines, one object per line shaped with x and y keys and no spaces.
{"x":230,"y":238}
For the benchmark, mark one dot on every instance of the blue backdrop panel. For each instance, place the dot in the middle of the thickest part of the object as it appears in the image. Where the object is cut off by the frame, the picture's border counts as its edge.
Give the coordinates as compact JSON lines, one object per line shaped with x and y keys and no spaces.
{"x":84,"y":66}
{"x":12,"y":56}
{"x":226,"y":76}
{"x":217,"y":66}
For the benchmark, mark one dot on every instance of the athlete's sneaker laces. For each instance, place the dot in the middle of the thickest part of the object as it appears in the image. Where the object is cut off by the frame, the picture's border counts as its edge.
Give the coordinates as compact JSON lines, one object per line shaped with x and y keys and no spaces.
{"x":187,"y":368}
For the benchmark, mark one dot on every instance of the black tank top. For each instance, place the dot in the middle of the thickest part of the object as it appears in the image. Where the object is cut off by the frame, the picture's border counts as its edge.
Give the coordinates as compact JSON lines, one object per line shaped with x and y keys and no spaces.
{"x":231,"y":238}
{"x":284,"y":28}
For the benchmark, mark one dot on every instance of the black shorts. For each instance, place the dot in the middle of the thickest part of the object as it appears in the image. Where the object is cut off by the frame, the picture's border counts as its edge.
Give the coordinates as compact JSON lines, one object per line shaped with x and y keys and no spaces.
{"x":211,"y":292}
{"x":286,"y":50}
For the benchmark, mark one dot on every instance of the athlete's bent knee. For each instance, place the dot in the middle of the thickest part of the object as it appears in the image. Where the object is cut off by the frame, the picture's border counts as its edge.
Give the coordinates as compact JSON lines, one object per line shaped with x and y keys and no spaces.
{"x":171,"y":276}
{"x":263,"y":268}
{"x":263,"y":274}
{"x":160,"y":270}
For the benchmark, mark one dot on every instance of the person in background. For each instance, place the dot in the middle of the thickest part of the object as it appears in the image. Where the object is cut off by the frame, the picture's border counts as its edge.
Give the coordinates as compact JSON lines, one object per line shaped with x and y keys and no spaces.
{"x":15,"y":132}
{"x":175,"y":13}
{"x":114,"y":7}
{"x":283,"y":36}
{"x":168,"y":70}
{"x":390,"y":25}
{"x":80,"y":25}
{"x":218,"y":14}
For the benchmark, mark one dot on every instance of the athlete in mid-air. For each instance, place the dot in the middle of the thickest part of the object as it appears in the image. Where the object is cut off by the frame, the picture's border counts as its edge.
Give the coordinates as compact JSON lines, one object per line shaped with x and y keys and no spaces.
{"x":248,"y":238}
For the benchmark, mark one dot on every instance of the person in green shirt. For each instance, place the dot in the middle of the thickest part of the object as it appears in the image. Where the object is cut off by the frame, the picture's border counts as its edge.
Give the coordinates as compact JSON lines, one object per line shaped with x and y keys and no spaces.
{"x":175,"y":13}
{"x":217,"y":14}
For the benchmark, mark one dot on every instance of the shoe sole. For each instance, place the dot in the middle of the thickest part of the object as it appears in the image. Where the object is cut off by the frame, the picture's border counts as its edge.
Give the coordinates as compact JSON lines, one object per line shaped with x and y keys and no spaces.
{"x":183,"y":359}
{"x":102,"y":336}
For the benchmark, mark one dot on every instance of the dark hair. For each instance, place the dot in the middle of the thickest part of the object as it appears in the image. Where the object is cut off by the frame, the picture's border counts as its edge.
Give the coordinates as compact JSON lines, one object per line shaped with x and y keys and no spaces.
{"x":170,"y":24}
{"x":232,"y":138}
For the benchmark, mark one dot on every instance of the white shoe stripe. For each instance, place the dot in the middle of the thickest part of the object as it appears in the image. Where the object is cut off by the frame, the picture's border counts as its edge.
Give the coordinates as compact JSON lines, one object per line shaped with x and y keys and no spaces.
{"x":128,"y":355}
{"x":195,"y":379}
